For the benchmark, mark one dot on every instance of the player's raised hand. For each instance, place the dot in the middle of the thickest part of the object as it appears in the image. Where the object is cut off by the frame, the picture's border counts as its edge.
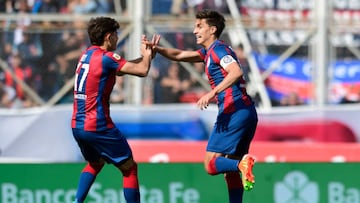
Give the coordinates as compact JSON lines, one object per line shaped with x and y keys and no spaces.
{"x":155,"y":39}
{"x":148,"y":45}
{"x":154,"y":42}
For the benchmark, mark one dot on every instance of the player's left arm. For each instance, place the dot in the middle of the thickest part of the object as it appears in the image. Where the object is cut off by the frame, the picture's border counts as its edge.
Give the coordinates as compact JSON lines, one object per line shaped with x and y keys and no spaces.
{"x":140,"y":66}
{"x":234,"y":73}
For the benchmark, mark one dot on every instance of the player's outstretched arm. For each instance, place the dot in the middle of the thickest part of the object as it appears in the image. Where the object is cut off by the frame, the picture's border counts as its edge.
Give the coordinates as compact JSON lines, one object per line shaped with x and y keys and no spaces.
{"x":178,"y":54}
{"x":140,"y":66}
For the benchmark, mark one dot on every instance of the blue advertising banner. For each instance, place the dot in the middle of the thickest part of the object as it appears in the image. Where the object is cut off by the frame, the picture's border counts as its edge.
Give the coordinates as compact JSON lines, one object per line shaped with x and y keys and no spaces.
{"x":294,"y":75}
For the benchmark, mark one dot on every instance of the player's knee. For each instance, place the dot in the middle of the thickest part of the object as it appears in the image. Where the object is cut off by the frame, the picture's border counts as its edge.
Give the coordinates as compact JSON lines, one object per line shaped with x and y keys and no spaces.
{"x":210,"y":167}
{"x":94,"y":167}
{"x":132,"y":170}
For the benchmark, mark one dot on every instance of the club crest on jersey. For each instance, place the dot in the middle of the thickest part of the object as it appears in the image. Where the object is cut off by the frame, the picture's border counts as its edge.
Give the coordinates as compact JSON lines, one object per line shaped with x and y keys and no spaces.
{"x":228,"y":59}
{"x":116,"y":56}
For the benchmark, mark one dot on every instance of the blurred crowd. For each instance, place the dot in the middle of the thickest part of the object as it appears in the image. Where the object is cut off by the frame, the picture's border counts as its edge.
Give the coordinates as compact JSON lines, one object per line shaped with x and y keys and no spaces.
{"x":42,"y":55}
{"x":42,"y":59}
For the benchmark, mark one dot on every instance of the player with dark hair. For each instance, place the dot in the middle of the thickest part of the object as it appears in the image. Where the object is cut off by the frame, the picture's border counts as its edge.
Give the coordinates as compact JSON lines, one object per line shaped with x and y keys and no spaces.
{"x":99,"y":140}
{"x":229,"y":142}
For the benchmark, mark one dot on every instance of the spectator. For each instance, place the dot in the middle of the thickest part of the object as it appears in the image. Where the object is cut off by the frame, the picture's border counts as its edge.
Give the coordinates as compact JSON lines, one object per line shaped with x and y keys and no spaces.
{"x":23,"y":21}
{"x":6,"y":51}
{"x":82,"y":6}
{"x":178,"y":7}
{"x":291,"y":99}
{"x":46,"y":6}
{"x":239,"y":50}
{"x":68,"y":51}
{"x":30,"y":50}
{"x":195,"y":90}
{"x":22,"y":72}
{"x":157,"y":71}
{"x":3,"y":6}
{"x":124,"y":7}
{"x":352,"y":95}
{"x":172,"y":85}
{"x":199,"y":68}
{"x":51,"y":81}
{"x":118,"y":93}
{"x":218,"y":5}
{"x":7,"y":96}
{"x":43,"y":39}
{"x":105,"y":6}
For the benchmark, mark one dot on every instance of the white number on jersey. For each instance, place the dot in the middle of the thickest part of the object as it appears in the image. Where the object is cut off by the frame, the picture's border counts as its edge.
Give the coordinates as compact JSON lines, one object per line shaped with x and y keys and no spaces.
{"x":82,"y":75}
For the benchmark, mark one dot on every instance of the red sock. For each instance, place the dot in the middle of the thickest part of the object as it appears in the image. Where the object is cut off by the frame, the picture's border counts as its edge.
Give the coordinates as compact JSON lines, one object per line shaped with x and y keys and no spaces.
{"x":87,"y":178}
{"x":131,"y":185}
{"x":93,"y":169}
{"x":211,"y":168}
{"x":130,"y":179}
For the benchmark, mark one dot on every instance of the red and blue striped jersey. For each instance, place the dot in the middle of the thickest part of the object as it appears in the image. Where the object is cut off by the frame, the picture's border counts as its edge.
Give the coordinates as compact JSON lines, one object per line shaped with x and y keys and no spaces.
{"x":234,"y":97}
{"x":94,"y":81}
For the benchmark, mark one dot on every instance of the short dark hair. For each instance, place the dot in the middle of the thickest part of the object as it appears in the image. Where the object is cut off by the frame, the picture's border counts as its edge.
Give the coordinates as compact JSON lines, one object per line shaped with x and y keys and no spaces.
{"x":98,"y":27}
{"x":213,"y":18}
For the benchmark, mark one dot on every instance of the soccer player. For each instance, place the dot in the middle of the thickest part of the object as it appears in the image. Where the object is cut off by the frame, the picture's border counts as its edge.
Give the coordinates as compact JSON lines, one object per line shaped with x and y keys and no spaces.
{"x":229,"y":142}
{"x":99,"y":140}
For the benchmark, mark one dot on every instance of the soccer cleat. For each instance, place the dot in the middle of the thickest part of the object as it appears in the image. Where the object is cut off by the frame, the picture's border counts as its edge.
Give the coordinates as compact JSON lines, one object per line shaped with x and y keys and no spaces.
{"x":245,"y":166}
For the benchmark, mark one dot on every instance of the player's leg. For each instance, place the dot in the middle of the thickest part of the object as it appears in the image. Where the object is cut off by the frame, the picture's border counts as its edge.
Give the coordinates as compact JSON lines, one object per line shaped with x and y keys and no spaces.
{"x":232,"y":136}
{"x":87,"y":143}
{"x":247,"y":161}
{"x":229,"y":136}
{"x":119,"y":153}
{"x":216,"y":163}
{"x":130,"y":181}
{"x":87,"y":178}
{"x":234,"y":186}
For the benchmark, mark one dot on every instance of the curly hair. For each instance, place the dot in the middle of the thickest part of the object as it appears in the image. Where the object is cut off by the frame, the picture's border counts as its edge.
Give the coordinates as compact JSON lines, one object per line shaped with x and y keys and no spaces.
{"x":98,"y":27}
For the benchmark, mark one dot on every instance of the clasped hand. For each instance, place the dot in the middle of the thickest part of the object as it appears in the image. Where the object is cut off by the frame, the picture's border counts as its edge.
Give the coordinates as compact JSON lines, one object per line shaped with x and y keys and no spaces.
{"x":147,"y":46}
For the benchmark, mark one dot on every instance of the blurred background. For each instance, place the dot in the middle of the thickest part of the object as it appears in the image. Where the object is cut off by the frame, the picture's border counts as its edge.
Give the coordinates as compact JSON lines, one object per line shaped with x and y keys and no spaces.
{"x":301,"y":63}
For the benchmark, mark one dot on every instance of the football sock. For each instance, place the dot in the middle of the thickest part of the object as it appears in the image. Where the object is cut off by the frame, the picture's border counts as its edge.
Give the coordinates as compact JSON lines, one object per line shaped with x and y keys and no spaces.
{"x":222,"y":165}
{"x":131,"y":185}
{"x":87,"y":178}
{"x":235,"y":187}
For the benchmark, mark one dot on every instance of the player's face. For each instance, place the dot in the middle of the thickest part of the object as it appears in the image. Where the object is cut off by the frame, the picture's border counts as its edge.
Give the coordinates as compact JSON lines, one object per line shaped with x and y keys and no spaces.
{"x":203,"y":33}
{"x":113,"y":38}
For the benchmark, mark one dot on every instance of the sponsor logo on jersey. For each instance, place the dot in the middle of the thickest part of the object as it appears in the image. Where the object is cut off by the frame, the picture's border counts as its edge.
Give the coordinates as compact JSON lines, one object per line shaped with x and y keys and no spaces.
{"x":116,"y":56}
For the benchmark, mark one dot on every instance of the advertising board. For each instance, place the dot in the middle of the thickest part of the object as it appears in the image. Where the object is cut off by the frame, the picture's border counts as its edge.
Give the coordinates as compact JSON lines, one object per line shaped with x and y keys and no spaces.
{"x":183,"y":183}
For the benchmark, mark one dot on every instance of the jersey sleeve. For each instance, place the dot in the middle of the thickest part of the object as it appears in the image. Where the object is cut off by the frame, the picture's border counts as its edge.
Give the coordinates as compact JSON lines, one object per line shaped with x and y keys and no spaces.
{"x":225,"y":55}
{"x":114,"y":61}
{"x":202,"y":53}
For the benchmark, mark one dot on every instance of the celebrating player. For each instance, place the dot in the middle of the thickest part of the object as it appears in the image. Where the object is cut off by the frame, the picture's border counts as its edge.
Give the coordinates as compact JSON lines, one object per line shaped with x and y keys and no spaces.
{"x":229,"y":142}
{"x":99,"y":140}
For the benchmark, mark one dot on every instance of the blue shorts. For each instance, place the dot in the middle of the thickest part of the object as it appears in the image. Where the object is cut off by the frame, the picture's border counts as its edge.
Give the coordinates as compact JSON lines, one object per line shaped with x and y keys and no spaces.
{"x":232,"y":133}
{"x":110,"y":145}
